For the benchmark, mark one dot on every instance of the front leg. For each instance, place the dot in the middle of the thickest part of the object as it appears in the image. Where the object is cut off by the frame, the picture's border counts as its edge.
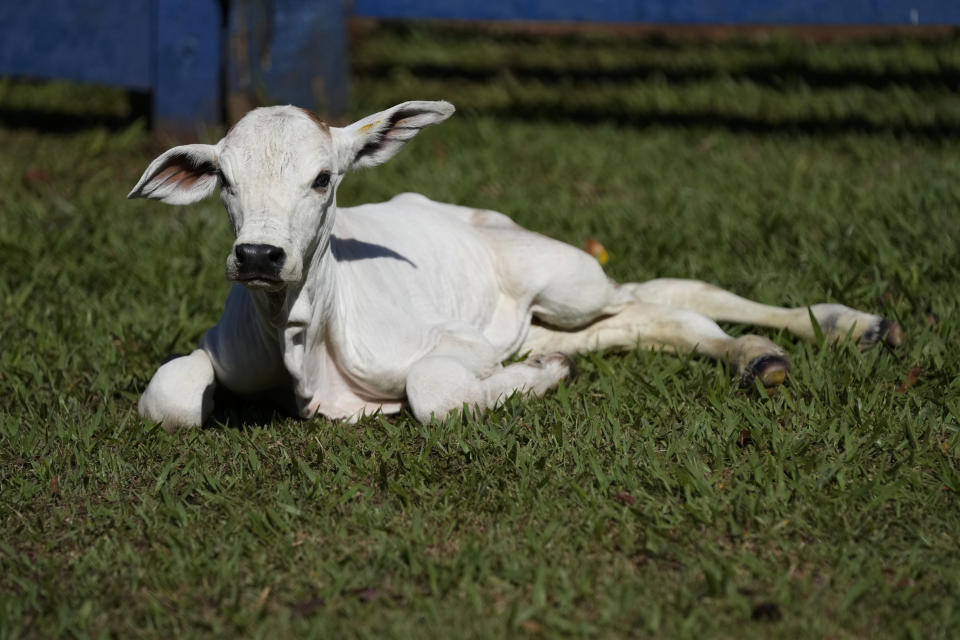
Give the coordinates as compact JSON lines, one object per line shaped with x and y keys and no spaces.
{"x":463,"y":370}
{"x":180,"y":394}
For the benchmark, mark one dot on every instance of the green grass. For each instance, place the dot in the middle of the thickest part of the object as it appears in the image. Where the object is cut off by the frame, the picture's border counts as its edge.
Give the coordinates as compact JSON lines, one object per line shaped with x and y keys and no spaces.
{"x":621,"y":505}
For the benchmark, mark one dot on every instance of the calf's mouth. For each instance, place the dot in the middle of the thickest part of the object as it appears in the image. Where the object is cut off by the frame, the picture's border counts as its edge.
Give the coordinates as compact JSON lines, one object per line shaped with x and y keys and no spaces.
{"x":257,"y":266}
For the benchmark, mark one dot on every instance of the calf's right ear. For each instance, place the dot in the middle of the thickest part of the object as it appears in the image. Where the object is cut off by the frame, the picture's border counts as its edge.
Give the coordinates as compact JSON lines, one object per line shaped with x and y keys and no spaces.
{"x":182,"y":175}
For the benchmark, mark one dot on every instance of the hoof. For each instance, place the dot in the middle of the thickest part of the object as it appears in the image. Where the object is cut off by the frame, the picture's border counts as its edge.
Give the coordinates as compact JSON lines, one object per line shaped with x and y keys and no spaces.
{"x":545,"y":359}
{"x":891,"y":333}
{"x":770,"y":370}
{"x":572,"y":368}
{"x":896,"y":336}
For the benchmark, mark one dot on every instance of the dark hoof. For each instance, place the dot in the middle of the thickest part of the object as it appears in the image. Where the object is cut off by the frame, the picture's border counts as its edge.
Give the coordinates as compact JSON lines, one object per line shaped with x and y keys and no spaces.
{"x":896,"y":336}
{"x":770,"y":370}
{"x":891,"y":333}
{"x":572,"y":369}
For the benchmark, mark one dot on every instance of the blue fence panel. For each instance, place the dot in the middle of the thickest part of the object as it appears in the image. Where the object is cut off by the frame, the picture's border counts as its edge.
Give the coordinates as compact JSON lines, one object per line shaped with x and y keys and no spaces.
{"x":83,"y":40}
{"x":295,"y":50}
{"x":722,"y":12}
{"x":172,"y":48}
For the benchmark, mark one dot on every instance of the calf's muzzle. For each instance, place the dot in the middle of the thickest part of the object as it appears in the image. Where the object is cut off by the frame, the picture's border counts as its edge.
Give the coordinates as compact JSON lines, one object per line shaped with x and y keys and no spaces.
{"x":259,"y":261}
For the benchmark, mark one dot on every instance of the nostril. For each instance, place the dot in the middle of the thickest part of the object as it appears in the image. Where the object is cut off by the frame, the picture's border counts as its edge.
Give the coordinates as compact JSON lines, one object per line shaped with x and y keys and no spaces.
{"x":263,"y":259}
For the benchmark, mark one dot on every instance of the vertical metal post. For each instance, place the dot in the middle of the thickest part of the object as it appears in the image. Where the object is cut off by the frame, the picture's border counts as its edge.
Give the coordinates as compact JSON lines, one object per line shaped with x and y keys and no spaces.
{"x":187,"y":65}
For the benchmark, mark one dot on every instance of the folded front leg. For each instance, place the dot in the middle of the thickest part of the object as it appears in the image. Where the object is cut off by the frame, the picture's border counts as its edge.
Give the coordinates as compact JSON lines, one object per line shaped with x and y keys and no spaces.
{"x":180,"y":394}
{"x":463,"y":370}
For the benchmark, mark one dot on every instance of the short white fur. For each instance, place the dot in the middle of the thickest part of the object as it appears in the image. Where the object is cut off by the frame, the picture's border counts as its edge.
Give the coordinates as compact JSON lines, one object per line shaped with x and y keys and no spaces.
{"x":413,"y":302}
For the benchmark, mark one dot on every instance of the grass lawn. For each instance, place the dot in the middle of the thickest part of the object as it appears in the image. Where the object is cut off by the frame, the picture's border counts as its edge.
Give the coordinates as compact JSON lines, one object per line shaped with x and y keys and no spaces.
{"x":650,"y":497}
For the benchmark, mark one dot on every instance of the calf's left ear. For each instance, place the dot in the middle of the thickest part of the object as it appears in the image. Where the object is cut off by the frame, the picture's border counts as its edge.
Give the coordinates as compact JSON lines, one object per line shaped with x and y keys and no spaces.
{"x":181,"y":175}
{"x":377,"y":138}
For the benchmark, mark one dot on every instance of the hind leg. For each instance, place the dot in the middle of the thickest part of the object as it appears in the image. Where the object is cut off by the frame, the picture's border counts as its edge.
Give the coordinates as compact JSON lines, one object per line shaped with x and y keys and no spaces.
{"x":835,"y":320}
{"x":564,"y":286}
{"x":663,"y":327}
{"x":578,"y":308}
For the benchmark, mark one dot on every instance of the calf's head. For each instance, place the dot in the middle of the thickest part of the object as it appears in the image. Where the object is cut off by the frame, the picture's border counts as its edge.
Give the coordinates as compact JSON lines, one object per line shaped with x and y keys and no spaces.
{"x":278,"y":170}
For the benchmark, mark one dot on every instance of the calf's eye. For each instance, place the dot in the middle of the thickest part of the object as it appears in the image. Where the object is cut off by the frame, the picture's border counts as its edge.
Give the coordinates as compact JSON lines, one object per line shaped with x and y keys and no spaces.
{"x":322,"y":180}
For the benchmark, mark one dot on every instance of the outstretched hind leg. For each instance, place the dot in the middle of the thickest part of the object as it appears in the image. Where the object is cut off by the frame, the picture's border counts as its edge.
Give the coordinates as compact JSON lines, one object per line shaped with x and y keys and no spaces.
{"x":835,"y":320}
{"x":671,"y":329}
{"x":577,"y":308}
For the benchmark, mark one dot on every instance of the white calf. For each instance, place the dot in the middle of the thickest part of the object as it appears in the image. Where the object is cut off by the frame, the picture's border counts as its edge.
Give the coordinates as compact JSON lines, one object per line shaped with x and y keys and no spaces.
{"x":410,"y":300}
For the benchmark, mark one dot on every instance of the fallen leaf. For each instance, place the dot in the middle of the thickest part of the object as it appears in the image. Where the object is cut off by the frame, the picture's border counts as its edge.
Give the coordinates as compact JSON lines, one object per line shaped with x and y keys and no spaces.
{"x":641,"y":559}
{"x":932,"y":321}
{"x":530,"y":626}
{"x":35,"y":175}
{"x":262,"y":600}
{"x":625,"y":498}
{"x":744,"y":438}
{"x":912,"y":377}
{"x":594,"y":248}
{"x":55,"y":485}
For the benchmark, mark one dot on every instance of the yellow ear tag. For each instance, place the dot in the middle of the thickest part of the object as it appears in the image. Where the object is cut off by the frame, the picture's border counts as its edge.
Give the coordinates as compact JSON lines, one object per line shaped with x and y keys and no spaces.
{"x":367,"y":127}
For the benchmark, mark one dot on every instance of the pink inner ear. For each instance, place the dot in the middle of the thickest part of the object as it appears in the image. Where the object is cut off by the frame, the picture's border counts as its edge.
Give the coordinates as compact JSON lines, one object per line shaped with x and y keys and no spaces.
{"x":182,"y":173}
{"x":179,"y":175}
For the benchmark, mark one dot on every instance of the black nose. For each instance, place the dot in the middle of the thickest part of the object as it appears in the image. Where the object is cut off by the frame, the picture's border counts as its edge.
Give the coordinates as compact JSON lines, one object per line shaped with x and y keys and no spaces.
{"x":255,"y":261}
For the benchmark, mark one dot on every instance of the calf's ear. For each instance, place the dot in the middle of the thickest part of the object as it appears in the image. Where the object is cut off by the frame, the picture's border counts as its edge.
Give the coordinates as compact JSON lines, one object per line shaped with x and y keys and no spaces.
{"x":377,"y":138}
{"x":181,"y":175}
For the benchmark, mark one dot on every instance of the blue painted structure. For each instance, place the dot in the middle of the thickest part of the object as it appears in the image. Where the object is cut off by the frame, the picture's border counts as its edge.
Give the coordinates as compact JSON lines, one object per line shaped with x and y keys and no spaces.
{"x":187,"y":58}
{"x":44,"y":37}
{"x":287,"y":51}
{"x":177,"y":50}
{"x":168,"y":47}
{"x":675,"y":12}
{"x":196,"y":57}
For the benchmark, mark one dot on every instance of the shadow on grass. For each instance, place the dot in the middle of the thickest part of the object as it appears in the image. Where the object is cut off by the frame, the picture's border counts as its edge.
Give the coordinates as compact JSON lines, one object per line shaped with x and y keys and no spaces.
{"x":807,"y":126}
{"x":235,"y":411}
{"x":59,"y":122}
{"x":775,"y":75}
{"x":62,"y":120}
